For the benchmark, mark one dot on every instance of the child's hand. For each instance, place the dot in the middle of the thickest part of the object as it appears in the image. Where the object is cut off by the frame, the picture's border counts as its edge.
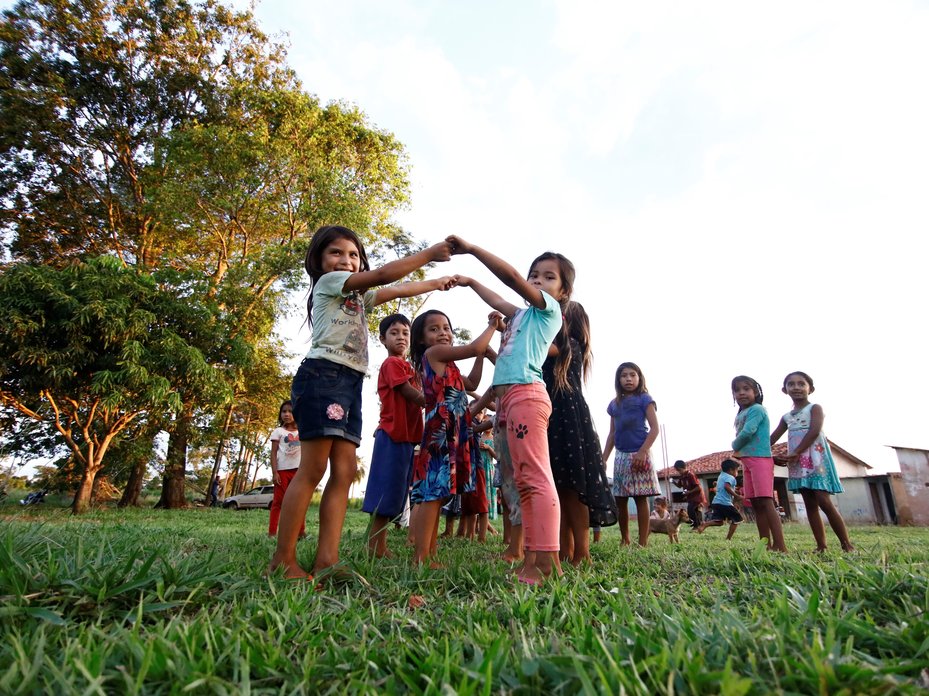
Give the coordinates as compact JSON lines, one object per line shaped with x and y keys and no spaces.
{"x":445,"y":283}
{"x":441,"y":251}
{"x":462,"y":281}
{"x":640,"y":461}
{"x":496,"y":320}
{"x":458,"y":245}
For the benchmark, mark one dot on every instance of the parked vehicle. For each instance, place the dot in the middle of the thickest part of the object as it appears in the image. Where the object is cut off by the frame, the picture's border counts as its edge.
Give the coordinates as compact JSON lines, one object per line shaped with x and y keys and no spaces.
{"x":259,"y":497}
{"x":34,"y":498}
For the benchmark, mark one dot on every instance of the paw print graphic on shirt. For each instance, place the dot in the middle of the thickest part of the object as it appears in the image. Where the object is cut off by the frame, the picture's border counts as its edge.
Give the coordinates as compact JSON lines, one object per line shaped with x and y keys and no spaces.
{"x":521,"y":430}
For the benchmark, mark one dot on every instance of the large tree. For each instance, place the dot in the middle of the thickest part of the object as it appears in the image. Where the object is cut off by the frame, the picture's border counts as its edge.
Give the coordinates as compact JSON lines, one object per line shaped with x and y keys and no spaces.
{"x":174,"y":137}
{"x":84,"y":347}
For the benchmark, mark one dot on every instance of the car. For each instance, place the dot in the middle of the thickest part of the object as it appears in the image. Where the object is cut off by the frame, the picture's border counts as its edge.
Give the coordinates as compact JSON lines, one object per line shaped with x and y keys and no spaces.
{"x":259,"y":497}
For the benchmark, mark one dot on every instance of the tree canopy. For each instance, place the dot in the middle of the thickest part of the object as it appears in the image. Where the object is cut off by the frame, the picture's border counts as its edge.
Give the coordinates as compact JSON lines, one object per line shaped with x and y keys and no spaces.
{"x":173,"y":140}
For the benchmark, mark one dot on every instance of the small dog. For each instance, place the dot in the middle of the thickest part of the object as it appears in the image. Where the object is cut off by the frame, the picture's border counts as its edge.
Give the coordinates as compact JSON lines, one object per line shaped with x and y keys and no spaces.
{"x":669,"y":526}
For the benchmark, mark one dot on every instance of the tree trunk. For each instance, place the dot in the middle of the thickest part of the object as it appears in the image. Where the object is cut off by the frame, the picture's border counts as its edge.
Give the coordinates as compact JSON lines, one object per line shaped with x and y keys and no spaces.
{"x":133,"y":490}
{"x":82,"y":498}
{"x":173,"y":482}
{"x":217,"y":460}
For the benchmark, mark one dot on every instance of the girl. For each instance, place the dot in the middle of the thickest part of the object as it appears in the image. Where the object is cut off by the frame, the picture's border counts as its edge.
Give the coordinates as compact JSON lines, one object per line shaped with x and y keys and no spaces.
{"x":285,"y":459}
{"x":577,"y":468}
{"x":752,"y":445}
{"x":811,"y":469}
{"x":326,"y":390}
{"x":633,"y":430}
{"x":523,"y":406}
{"x":443,"y":466}
{"x":661,"y":511}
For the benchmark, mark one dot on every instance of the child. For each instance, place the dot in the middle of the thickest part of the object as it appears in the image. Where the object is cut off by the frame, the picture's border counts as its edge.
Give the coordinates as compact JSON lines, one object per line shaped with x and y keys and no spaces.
{"x":443,"y":466}
{"x":285,"y":460}
{"x":752,"y":445}
{"x":475,"y":504}
{"x":809,"y":460}
{"x":722,"y":508}
{"x":326,"y":390}
{"x":660,"y":511}
{"x":633,"y":430}
{"x":399,"y":431}
{"x":693,"y":492}
{"x":573,"y":444}
{"x":523,"y":406}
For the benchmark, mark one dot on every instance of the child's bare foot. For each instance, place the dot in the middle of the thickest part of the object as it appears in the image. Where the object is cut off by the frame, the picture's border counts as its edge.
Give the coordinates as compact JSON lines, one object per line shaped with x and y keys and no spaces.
{"x":585,"y":561}
{"x":848,"y":548}
{"x":292,"y":569}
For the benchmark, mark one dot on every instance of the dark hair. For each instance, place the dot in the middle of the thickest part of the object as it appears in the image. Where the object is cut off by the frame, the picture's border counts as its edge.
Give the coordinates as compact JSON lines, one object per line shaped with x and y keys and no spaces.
{"x":280,"y":421}
{"x":417,"y":346}
{"x":641,"y":389}
{"x":809,"y":380}
{"x":759,"y":395}
{"x":680,"y":464}
{"x":389,"y":321}
{"x":574,"y":332}
{"x":565,"y":270}
{"x":313,"y":262}
{"x":729,"y":465}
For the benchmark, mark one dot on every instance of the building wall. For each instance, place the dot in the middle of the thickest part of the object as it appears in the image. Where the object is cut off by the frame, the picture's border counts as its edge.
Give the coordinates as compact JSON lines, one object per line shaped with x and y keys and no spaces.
{"x":912,"y":489}
{"x":854,"y":504}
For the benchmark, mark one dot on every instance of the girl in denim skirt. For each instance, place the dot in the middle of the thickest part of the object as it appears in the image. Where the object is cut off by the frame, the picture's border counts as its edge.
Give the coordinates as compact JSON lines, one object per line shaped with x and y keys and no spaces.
{"x":326,"y":391}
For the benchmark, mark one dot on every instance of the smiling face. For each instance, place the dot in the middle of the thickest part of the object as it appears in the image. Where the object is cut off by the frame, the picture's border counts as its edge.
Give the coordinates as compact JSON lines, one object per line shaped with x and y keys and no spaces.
{"x":437,"y":331}
{"x":743,"y":393}
{"x":341,"y":254}
{"x":797,"y":387}
{"x":546,"y":275}
{"x":397,"y":339}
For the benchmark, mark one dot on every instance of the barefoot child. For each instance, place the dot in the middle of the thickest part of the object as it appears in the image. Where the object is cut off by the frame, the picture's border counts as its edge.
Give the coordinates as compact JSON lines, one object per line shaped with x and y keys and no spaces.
{"x":326,"y":390}
{"x":443,"y":466}
{"x":285,"y":460}
{"x":752,"y":445}
{"x":523,"y":405}
{"x":399,"y":431}
{"x":722,"y":508}
{"x":633,"y":430}
{"x":810,"y":466}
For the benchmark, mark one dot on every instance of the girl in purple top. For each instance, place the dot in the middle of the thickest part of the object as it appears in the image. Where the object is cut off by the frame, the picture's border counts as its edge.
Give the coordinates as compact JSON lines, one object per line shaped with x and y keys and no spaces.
{"x":633,"y":430}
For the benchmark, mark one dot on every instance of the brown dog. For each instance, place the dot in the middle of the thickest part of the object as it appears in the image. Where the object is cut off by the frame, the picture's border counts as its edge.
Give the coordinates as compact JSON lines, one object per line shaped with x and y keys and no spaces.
{"x":669,"y":526}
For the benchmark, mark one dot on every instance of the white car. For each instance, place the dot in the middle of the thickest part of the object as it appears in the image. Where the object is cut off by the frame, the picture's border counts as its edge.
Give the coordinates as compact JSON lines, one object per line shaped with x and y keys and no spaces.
{"x":259,"y":497}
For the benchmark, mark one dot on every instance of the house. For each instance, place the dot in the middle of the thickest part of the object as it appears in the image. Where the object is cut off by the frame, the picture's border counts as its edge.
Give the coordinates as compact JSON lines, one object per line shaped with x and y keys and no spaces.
{"x":867,"y":499}
{"x":911,"y":485}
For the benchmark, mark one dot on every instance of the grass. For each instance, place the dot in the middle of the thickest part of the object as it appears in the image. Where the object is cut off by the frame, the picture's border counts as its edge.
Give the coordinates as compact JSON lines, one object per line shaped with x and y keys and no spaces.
{"x":147,"y":601}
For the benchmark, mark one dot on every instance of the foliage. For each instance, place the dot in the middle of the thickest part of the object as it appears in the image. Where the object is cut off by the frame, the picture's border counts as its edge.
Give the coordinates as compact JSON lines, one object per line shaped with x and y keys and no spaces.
{"x":151,"y":602}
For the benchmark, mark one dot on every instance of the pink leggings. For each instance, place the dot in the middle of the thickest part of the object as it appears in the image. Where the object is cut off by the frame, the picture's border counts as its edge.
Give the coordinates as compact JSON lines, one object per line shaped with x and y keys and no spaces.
{"x":524,"y":412}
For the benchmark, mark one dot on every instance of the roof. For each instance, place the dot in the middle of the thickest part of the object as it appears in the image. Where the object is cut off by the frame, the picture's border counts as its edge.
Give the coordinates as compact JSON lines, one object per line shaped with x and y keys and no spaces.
{"x":711,"y":463}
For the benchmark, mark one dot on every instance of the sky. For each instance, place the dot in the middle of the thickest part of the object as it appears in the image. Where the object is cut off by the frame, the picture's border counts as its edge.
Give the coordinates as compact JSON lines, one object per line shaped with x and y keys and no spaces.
{"x":741,"y":186}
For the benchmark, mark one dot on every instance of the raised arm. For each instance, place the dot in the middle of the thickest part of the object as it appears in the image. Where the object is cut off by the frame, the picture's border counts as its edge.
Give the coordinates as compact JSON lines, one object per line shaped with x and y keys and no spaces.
{"x":505,"y":272}
{"x":395,"y":270}
{"x":413,"y":288}
{"x":508,"y":309}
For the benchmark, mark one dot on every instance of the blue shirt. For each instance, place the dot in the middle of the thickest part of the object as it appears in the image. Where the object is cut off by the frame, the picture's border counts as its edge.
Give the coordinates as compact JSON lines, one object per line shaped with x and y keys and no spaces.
{"x":525,"y":343}
{"x":629,"y":425}
{"x":723,"y":496}
{"x":753,"y":432}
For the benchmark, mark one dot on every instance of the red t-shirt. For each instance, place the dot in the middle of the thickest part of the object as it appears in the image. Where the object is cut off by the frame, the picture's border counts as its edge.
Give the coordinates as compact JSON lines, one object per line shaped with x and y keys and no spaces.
{"x":688,"y":481}
{"x":402,"y":420}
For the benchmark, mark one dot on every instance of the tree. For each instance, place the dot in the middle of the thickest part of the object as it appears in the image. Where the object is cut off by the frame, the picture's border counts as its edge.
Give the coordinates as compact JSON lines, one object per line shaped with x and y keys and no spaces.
{"x":80,"y":347}
{"x":175,"y":138}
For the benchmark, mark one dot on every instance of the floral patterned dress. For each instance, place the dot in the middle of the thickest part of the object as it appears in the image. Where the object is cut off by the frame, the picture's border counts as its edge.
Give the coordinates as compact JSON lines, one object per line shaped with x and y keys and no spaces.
{"x":442,"y":467}
{"x":815,"y":468}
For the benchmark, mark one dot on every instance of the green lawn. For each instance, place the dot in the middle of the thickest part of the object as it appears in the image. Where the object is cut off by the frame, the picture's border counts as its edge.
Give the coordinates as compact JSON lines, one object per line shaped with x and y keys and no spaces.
{"x":176,"y":602}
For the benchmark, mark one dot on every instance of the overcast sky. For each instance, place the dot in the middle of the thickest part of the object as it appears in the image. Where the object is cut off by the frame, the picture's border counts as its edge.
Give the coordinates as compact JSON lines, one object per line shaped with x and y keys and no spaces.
{"x":743,"y":189}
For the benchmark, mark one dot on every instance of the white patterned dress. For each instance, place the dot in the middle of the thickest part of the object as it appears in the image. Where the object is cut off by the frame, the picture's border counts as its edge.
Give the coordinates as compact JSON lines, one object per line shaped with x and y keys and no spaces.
{"x":815,"y":468}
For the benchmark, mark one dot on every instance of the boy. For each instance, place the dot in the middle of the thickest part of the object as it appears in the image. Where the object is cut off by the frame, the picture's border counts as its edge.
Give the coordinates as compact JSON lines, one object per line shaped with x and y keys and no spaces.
{"x":399,"y":430}
{"x":693,"y":492}
{"x":722,"y":508}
